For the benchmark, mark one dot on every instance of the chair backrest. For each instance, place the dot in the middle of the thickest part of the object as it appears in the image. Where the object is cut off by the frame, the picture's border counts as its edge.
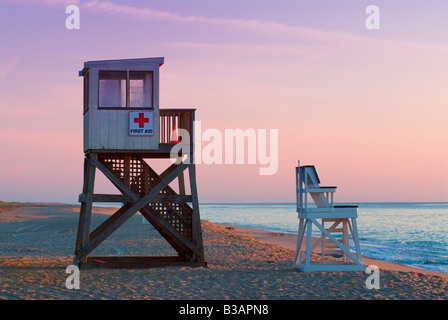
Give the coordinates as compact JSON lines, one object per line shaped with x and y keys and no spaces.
{"x":308,"y":182}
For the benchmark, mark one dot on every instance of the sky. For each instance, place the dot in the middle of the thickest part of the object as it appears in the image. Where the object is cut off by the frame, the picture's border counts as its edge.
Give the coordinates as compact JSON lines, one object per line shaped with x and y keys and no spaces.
{"x":367,"y":107}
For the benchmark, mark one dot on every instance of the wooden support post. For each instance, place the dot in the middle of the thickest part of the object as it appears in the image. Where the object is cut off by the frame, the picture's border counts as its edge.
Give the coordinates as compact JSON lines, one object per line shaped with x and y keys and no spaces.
{"x":354,"y":231}
{"x":301,"y":233}
{"x":181,"y":181}
{"x":86,"y":209}
{"x":196,"y":222}
{"x":309,"y":226}
{"x":345,"y":238}
{"x":127,"y":170}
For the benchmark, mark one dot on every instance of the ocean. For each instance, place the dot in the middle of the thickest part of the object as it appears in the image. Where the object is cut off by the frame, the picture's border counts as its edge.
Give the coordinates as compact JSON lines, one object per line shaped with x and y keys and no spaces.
{"x":413,"y":234}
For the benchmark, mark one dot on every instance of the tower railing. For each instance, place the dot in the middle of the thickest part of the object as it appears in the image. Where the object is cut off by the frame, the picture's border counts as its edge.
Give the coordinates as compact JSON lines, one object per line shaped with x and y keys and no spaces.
{"x":170,"y":120}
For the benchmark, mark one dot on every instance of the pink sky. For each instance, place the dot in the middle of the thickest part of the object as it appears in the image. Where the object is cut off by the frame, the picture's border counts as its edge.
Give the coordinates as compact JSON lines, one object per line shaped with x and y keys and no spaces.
{"x":367,"y":107}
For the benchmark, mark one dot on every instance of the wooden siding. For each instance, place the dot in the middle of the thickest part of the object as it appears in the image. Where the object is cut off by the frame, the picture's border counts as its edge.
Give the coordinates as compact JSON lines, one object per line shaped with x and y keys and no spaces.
{"x":108,"y":128}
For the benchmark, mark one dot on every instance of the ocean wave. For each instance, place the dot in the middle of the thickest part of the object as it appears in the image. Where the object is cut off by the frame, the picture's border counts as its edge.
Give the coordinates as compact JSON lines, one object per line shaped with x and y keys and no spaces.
{"x":408,"y":233}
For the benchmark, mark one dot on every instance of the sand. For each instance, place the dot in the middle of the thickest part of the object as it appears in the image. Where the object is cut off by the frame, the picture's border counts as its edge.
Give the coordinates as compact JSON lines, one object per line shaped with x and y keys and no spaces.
{"x":37,"y":243}
{"x":289,"y":241}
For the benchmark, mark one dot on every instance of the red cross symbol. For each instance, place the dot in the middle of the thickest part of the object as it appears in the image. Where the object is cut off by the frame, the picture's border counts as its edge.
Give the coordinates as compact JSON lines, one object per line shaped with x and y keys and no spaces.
{"x":141,"y":120}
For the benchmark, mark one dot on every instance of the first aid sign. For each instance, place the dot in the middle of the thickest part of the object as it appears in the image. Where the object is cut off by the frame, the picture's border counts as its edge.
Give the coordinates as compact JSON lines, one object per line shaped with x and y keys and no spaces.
{"x":141,"y":123}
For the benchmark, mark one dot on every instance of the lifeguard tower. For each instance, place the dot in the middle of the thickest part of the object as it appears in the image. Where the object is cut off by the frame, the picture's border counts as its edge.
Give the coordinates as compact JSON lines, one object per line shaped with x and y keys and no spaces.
{"x":124,"y":130}
{"x":334,"y":223}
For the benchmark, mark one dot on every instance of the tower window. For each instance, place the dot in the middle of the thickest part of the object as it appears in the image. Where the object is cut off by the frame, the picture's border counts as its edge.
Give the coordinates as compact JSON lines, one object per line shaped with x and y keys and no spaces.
{"x":112,"y":89}
{"x":140,"y":89}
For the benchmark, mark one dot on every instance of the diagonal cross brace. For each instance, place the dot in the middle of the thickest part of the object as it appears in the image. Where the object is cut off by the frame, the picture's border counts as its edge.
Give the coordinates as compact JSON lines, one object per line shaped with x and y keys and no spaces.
{"x":167,"y":189}
{"x":319,"y":241}
{"x":108,"y":227}
{"x":127,"y":211}
{"x":332,"y":238}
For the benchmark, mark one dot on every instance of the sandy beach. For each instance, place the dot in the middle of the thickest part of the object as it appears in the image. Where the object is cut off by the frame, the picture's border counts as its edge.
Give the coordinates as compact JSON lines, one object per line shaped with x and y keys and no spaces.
{"x":37,"y":244}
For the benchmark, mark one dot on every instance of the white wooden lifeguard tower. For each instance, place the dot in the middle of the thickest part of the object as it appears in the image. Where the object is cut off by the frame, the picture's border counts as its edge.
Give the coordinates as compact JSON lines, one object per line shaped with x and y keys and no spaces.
{"x":123,"y":130}
{"x":335,"y":224}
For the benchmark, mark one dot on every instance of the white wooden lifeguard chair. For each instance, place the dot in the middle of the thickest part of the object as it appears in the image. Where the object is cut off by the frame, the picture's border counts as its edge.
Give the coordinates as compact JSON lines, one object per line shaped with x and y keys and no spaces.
{"x":335,"y":224}
{"x":124,"y":130}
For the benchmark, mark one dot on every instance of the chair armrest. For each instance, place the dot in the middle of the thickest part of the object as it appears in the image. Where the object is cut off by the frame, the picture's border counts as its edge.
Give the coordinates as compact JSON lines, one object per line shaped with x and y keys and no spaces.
{"x":321,"y":189}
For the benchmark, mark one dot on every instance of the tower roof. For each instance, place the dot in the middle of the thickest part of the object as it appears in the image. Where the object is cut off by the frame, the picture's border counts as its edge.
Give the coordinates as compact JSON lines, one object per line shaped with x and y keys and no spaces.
{"x":122,"y":63}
